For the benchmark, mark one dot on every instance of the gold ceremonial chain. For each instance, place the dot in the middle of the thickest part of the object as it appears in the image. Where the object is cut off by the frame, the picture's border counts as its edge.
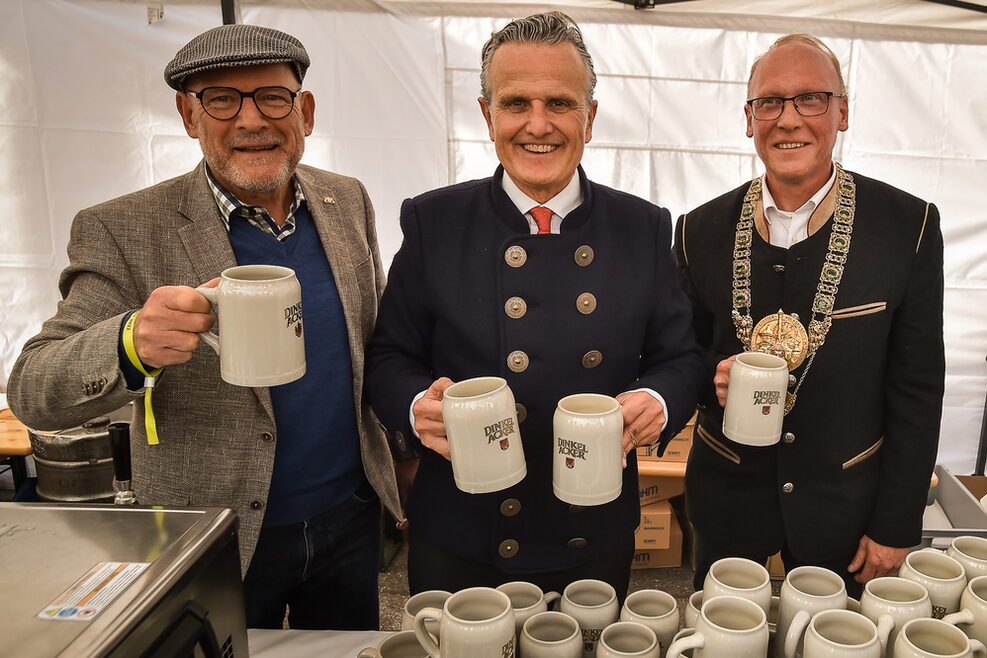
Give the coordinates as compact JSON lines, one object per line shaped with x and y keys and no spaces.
{"x":782,"y":334}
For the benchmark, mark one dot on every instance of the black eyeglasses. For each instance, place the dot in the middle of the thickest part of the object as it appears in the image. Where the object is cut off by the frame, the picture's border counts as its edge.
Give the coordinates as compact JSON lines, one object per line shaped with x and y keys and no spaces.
{"x":809,"y":104}
{"x":224,"y":103}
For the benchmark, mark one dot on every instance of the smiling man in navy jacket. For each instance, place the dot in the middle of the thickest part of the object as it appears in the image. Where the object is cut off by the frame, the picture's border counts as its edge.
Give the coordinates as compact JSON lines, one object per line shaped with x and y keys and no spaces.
{"x":553,"y":282}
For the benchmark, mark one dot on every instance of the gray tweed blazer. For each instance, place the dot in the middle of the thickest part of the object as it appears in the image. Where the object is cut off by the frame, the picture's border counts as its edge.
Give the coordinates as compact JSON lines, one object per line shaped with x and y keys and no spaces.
{"x":216,"y":446}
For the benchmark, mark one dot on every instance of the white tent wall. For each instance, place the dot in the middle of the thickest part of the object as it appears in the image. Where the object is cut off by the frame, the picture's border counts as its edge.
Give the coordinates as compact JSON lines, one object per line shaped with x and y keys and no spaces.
{"x":86,"y":116}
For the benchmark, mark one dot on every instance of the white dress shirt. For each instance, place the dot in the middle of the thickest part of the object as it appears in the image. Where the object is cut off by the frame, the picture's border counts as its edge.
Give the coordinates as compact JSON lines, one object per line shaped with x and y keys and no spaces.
{"x":785,"y":228}
{"x":561,"y":204}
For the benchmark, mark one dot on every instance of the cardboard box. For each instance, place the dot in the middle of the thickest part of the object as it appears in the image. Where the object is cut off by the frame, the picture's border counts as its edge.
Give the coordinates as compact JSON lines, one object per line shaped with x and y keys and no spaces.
{"x":677,"y":449}
{"x":652,"y":488}
{"x":977,"y":484}
{"x":661,"y":557}
{"x":775,"y":567}
{"x":655,"y":527}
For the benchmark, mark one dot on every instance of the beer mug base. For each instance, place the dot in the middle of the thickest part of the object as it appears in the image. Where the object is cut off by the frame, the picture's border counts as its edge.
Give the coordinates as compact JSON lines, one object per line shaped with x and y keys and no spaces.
{"x":587,"y":500}
{"x":264,"y":380}
{"x":753,"y":440}
{"x":492,"y":485}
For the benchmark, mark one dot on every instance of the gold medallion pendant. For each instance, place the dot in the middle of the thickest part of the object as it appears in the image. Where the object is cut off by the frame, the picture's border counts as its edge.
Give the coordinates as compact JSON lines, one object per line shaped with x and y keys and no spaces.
{"x":782,"y":335}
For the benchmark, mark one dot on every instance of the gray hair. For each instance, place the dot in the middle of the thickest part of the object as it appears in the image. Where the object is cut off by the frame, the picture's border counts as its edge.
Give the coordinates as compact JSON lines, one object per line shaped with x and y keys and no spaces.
{"x":809,"y":40}
{"x":551,"y":28}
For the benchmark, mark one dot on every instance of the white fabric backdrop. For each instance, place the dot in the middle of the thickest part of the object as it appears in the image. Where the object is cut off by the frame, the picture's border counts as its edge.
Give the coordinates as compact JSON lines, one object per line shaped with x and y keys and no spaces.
{"x":85,"y":116}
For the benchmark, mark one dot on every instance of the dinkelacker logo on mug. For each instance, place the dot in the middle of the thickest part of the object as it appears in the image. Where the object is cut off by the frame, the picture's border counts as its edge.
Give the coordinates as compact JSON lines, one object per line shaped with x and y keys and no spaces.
{"x":293,"y":316}
{"x":500,"y":431}
{"x":572,"y":450}
{"x":766,"y":399}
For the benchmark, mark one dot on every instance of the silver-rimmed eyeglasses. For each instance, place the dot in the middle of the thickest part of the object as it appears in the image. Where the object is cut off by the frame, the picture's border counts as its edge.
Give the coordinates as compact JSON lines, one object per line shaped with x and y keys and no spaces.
{"x":809,"y":104}
{"x":224,"y":103}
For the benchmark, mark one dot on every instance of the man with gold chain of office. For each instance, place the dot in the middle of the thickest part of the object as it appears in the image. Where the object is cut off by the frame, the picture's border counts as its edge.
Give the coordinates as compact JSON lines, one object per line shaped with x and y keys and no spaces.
{"x":840,"y":275}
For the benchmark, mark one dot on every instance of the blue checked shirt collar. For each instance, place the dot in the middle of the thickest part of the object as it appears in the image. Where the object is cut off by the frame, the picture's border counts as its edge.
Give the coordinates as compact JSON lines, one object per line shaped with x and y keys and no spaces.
{"x":229,"y":206}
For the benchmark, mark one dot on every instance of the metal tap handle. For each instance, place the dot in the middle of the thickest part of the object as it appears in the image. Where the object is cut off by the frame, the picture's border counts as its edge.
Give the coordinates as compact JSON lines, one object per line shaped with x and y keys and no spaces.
{"x":120,"y":445}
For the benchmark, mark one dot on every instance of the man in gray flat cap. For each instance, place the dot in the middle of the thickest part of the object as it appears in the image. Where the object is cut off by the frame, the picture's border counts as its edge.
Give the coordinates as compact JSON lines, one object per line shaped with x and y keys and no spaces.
{"x":303,"y":463}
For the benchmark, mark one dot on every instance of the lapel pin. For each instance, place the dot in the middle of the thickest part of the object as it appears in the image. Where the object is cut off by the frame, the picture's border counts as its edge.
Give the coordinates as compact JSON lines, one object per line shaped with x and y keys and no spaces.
{"x":329,"y":199}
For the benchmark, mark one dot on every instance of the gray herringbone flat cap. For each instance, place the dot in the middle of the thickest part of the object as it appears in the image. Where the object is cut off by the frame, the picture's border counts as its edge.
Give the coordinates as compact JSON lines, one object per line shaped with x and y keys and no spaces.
{"x":235,"y":45}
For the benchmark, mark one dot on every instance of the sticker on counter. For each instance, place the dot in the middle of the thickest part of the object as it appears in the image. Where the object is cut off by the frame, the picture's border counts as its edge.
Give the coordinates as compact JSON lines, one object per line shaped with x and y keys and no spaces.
{"x":87,"y":596}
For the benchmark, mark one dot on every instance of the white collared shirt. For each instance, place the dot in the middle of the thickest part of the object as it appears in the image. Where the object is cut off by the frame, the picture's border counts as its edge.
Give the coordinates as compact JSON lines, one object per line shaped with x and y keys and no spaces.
{"x":561,"y":204}
{"x":786,"y":228}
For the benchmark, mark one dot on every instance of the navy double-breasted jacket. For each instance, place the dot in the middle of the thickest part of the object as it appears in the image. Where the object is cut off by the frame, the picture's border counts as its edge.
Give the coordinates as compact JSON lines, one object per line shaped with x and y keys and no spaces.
{"x":859,"y":446}
{"x":451,"y":308}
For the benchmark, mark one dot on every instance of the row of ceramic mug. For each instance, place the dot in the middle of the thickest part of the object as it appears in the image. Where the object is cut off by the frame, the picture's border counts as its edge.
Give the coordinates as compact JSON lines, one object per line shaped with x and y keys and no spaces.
{"x":545,"y":635}
{"x":734,"y":627}
{"x":589,"y":622}
{"x":930,"y":584}
{"x":487,"y":455}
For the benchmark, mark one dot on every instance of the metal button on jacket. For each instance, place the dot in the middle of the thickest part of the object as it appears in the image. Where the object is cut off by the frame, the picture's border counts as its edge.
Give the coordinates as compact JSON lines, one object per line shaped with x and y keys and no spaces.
{"x":583,"y":255}
{"x":510,"y":507}
{"x":517,"y":361}
{"x":778,"y":268}
{"x":577,"y":542}
{"x":515,"y":256}
{"x":792,"y":381}
{"x":256,"y":504}
{"x":515,"y":307}
{"x":508,"y":548}
{"x":788,"y":487}
{"x":788,"y":437}
{"x":522,"y":412}
{"x":267,"y":436}
{"x":586,"y":303}
{"x":592,"y":359}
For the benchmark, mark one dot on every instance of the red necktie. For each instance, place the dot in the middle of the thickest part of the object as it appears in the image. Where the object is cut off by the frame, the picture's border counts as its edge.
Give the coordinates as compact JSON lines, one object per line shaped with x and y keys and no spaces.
{"x":543,"y":217}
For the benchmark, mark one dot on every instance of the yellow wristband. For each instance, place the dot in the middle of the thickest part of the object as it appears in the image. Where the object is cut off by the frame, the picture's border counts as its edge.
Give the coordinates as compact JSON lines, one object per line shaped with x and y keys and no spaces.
{"x":150,"y":426}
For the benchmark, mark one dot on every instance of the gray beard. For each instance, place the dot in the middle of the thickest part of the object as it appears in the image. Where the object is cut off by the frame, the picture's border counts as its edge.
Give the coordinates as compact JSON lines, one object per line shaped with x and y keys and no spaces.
{"x":243,"y":179}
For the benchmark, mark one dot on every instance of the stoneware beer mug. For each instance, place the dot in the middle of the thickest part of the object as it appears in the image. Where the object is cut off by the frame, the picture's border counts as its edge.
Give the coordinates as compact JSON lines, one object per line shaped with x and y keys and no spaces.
{"x":942,"y":576}
{"x":624,"y":639}
{"x":655,"y":609}
{"x":477,"y":622}
{"x":433,"y":598}
{"x":844,"y":634}
{"x":527,"y":599}
{"x":692,"y":607}
{"x":400,"y":645}
{"x":592,"y":603}
{"x":727,"y":626}
{"x":756,"y":399}
{"x":972,"y":617}
{"x":934,"y":638}
{"x":899,"y":599}
{"x":259,"y":313}
{"x":484,"y":441}
{"x":737,"y":576}
{"x":971,"y":552}
{"x":806,"y":591}
{"x":587,"y":467}
{"x":551,"y":635}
